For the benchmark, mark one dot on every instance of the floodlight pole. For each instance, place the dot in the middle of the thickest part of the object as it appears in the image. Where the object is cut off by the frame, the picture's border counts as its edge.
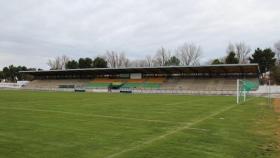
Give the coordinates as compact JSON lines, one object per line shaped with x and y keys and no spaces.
{"x":269,"y":93}
{"x":244,"y":94}
{"x":237,"y":91}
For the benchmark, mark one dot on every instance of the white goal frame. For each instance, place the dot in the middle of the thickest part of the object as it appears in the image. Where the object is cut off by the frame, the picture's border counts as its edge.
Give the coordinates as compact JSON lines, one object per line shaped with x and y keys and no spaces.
{"x":240,"y":93}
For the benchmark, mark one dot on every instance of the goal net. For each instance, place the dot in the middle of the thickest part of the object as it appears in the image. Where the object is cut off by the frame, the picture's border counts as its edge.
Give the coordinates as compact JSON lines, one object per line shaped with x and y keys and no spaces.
{"x":243,"y":88}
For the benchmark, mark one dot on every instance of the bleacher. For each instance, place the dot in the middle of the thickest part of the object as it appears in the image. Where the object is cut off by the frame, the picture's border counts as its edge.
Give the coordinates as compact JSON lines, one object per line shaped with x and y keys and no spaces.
{"x":192,"y":84}
{"x":164,"y":79}
{"x":52,"y":84}
{"x":101,"y":83}
{"x":143,"y":85}
{"x":206,"y":84}
{"x":149,"y":83}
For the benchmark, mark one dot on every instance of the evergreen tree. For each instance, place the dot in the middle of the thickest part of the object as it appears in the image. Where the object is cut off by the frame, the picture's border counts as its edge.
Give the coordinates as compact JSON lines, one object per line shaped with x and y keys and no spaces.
{"x":85,"y":63}
{"x":99,"y":62}
{"x":73,"y":64}
{"x":231,"y":58}
{"x":216,"y":62}
{"x":173,"y":61}
{"x":265,"y":58}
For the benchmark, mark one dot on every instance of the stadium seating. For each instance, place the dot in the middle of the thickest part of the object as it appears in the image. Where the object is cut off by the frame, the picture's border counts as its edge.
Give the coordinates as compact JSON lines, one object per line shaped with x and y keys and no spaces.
{"x":103,"y":83}
{"x":50,"y":84}
{"x":142,"y":85}
{"x":212,"y":84}
{"x":156,"y":80}
{"x":192,"y":84}
{"x":97,"y":85}
{"x":135,"y":81}
{"x":149,"y":83}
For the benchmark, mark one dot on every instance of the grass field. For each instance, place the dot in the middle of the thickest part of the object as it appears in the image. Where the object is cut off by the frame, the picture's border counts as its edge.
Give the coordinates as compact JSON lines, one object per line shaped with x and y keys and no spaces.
{"x":87,"y":125}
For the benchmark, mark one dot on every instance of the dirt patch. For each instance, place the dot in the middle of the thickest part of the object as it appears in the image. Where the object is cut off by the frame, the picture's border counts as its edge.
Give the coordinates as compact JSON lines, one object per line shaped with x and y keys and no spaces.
{"x":276,"y":103}
{"x":278,"y":138}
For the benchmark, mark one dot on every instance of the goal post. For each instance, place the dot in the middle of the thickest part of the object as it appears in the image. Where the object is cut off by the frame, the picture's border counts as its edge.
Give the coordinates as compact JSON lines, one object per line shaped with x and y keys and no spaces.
{"x":240,"y":92}
{"x":243,"y":87}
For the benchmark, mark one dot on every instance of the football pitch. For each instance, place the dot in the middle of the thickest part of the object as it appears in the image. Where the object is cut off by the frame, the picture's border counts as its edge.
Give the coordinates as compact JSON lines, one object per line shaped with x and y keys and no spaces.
{"x":88,"y":125}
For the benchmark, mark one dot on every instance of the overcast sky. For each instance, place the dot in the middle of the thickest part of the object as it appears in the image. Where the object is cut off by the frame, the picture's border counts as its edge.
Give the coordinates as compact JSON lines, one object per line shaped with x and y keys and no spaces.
{"x":33,"y":31}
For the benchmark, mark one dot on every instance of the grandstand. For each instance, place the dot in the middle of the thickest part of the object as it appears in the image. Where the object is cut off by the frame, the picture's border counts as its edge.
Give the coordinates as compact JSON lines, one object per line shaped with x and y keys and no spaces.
{"x":184,"y":78}
{"x":52,"y":83}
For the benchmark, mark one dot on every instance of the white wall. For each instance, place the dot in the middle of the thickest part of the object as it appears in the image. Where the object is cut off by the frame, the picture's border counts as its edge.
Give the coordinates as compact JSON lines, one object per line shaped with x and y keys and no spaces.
{"x":19,"y":84}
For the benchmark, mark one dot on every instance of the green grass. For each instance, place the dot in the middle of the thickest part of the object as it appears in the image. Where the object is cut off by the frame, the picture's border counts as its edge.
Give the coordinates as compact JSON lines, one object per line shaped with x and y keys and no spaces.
{"x":88,"y":125}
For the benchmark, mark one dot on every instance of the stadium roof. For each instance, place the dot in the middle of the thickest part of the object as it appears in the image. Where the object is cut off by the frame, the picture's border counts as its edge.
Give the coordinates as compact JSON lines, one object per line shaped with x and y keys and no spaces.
{"x":222,"y":68}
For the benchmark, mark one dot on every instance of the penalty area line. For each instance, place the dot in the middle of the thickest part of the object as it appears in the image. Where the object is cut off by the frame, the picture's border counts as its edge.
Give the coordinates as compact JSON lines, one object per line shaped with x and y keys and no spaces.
{"x":169,"y":133}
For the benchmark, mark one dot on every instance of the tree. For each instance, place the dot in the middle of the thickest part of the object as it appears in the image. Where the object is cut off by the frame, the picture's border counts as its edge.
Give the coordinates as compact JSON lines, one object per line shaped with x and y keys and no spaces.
{"x":54,"y":64}
{"x":59,"y":63}
{"x":216,"y":62}
{"x":33,"y":69}
{"x":12,"y":73}
{"x":64,"y":59}
{"x":18,"y":75}
{"x":162,"y":56}
{"x":85,"y":63}
{"x":6,"y":73}
{"x":173,"y":61}
{"x":123,"y":61}
{"x":149,"y":61}
{"x":265,"y":58}
{"x":241,"y":51}
{"x":99,"y":62}
{"x":276,"y":74}
{"x":73,"y":64}
{"x":1,"y":75}
{"x":116,"y":59}
{"x":231,"y":58}
{"x":189,"y":54}
{"x":112,"y":59}
{"x":230,"y":48}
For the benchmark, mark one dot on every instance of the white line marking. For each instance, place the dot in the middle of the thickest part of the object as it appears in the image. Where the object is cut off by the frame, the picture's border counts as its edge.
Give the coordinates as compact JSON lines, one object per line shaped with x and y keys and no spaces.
{"x":177,"y":103}
{"x":198,"y":129}
{"x":93,"y":115}
{"x":168,"y":133}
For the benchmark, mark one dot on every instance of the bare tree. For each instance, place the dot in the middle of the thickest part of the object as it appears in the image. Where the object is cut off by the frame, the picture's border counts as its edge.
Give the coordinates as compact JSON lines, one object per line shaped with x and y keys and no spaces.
{"x":277,"y":50}
{"x":189,"y":54}
{"x":123,"y":61}
{"x":64,"y":61}
{"x":53,"y":64}
{"x":231,"y":48}
{"x":116,"y":60}
{"x":59,"y":63}
{"x":112,"y":59}
{"x":242,"y":52}
{"x":149,"y":61}
{"x":162,"y":56}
